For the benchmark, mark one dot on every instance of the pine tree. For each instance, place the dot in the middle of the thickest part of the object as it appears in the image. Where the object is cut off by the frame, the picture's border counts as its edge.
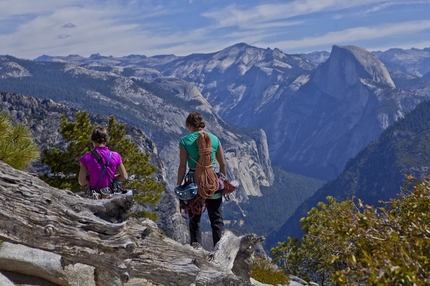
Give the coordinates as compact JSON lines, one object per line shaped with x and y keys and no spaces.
{"x":64,"y":165}
{"x":17,"y":146}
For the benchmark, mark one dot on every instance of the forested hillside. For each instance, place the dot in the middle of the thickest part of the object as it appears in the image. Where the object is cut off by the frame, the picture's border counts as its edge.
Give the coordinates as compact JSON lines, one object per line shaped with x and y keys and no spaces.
{"x":378,"y":172}
{"x":278,"y":203}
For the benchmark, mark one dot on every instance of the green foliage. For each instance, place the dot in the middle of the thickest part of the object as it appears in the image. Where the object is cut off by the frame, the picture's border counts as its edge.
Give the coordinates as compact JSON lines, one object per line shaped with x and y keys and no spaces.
{"x":302,"y":259}
{"x":266,"y":272}
{"x":151,"y":216}
{"x":355,"y":243}
{"x":64,"y":165}
{"x":136,"y":163}
{"x":17,"y":146}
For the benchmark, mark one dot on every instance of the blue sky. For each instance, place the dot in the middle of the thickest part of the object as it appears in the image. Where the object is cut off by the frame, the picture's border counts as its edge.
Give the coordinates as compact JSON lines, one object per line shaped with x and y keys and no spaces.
{"x":31,"y":28}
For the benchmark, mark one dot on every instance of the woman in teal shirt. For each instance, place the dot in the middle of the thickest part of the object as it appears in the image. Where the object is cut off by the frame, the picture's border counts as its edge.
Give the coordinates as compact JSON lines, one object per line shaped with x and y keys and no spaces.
{"x":188,"y":154}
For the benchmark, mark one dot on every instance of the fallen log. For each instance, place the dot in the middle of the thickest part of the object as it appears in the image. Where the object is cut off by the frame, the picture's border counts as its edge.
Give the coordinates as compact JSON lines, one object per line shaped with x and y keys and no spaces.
{"x":102,"y":234}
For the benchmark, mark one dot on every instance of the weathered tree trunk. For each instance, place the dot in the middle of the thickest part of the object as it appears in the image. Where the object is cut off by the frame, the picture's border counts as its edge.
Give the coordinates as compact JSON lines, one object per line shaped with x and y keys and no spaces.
{"x":101,"y":234}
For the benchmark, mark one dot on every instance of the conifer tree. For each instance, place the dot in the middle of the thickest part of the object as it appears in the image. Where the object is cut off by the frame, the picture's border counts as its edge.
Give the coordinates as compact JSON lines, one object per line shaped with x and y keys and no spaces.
{"x":64,"y":165}
{"x":17,"y":146}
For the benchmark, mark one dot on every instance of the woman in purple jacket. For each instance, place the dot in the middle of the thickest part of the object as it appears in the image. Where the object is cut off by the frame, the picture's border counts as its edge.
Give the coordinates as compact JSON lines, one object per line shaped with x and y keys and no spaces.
{"x":91,"y":170}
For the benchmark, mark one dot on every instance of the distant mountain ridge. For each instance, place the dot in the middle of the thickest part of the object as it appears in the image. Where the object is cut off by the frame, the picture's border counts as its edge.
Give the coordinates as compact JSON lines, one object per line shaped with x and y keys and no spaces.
{"x":412,"y":61}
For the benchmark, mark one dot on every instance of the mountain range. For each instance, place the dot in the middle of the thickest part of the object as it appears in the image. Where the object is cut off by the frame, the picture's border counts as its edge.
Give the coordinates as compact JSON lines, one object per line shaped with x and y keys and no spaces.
{"x":309,"y":114}
{"x":158,"y":107}
{"x":316,"y":117}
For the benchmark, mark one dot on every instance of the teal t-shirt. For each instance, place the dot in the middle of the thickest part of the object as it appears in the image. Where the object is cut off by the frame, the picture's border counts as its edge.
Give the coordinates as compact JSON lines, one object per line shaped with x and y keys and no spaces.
{"x":189,"y":142}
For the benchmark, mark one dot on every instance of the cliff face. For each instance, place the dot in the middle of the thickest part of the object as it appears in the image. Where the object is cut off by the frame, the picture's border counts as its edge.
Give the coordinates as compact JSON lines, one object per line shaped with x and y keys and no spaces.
{"x":377,"y":174}
{"x":346,"y":103}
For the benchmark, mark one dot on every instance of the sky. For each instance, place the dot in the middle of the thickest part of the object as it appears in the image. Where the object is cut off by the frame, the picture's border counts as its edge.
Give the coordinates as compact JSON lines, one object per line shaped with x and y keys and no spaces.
{"x":31,"y":28}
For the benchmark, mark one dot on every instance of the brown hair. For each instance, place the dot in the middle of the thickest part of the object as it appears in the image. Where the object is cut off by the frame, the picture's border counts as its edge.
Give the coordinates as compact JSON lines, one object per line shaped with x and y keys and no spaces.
{"x":195,"y":120}
{"x":99,"y":135}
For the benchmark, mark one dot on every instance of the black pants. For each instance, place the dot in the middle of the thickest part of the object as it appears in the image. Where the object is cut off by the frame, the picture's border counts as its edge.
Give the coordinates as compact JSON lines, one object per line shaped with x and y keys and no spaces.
{"x":214,"y":209}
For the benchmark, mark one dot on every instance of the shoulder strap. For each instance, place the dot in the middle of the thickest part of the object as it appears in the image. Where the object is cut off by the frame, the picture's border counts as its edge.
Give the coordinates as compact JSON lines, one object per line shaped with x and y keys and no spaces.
{"x":104,"y":168}
{"x":97,"y":156}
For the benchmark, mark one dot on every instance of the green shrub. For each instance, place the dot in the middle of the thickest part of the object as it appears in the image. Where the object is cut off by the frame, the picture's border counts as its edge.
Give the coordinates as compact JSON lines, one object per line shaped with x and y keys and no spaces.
{"x":350,"y":243}
{"x":17,"y":146}
{"x":266,"y":272}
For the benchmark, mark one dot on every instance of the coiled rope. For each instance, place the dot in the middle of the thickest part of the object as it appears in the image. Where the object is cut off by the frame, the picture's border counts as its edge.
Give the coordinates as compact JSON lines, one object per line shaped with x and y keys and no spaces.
{"x":195,"y":206}
{"x":204,"y":176}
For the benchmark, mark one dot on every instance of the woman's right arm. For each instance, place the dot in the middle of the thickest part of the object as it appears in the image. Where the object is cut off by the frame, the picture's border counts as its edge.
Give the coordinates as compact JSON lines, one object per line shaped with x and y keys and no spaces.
{"x":183,"y":155}
{"x":83,"y":175}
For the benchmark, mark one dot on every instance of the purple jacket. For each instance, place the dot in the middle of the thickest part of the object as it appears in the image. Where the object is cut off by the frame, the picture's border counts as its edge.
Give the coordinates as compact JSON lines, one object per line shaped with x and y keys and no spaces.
{"x":95,"y":169}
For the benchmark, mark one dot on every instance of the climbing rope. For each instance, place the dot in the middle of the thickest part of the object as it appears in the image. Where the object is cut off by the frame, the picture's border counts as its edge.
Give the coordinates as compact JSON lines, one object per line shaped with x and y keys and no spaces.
{"x":195,"y":206}
{"x":204,"y":175}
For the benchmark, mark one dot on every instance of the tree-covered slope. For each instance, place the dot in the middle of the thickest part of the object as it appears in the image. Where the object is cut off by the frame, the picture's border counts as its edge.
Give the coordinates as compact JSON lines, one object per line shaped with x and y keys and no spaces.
{"x":377,"y":172}
{"x":278,"y":203}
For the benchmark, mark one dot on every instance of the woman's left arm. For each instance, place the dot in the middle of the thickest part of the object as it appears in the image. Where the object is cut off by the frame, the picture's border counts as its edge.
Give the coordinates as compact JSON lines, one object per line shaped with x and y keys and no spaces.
{"x":122,"y":176}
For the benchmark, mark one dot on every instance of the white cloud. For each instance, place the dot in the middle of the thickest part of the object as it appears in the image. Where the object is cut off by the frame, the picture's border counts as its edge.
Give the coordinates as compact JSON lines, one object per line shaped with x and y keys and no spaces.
{"x":31,"y":28}
{"x":95,"y":29}
{"x":10,"y":8}
{"x":235,"y":15}
{"x":355,"y":34}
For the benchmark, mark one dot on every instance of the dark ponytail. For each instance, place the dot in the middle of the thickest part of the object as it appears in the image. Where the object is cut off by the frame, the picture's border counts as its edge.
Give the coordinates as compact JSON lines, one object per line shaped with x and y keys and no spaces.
{"x":195,"y":120}
{"x":99,"y":135}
